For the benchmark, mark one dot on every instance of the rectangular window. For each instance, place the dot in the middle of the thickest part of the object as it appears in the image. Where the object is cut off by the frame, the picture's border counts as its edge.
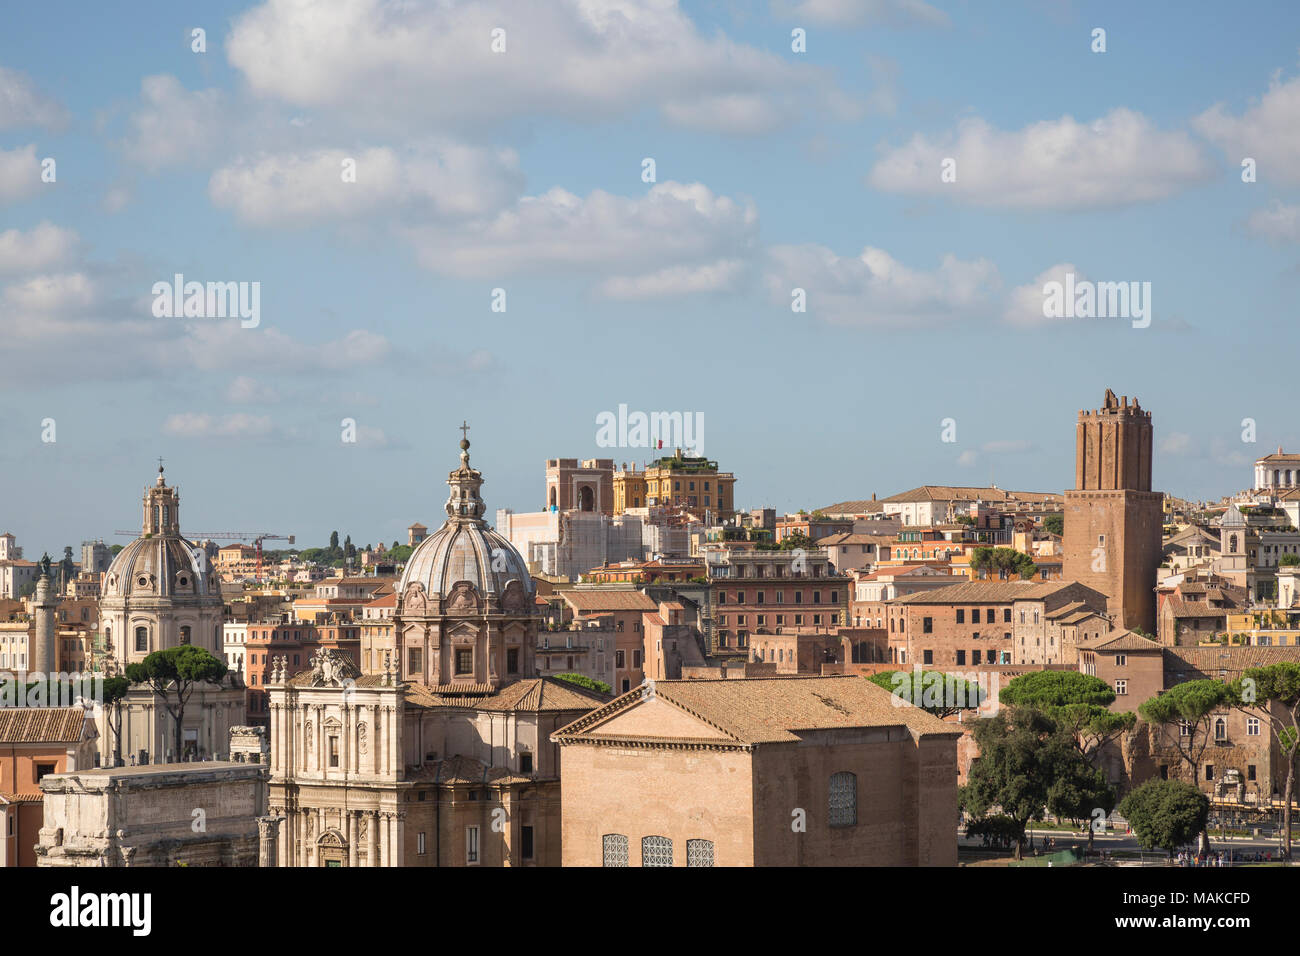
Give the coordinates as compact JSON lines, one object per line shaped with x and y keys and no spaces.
{"x":525,"y":762}
{"x":471,"y":845}
{"x":619,"y":659}
{"x":526,"y":842}
{"x":961,"y":657}
{"x":927,"y":625}
{"x":975,"y":656}
{"x":636,"y":659}
{"x":1252,"y":726}
{"x":413,"y":660}
{"x":1006,"y":615}
{"x":1121,"y":660}
{"x":464,"y":661}
{"x":512,"y":660}
{"x":419,"y":842}
{"x":928,"y":657}
{"x":961,"y":615}
{"x":1121,"y":688}
{"x":334,"y":750}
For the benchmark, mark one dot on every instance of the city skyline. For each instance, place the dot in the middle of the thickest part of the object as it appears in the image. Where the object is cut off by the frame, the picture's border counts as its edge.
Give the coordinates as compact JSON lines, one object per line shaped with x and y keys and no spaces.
{"x":780,"y":162}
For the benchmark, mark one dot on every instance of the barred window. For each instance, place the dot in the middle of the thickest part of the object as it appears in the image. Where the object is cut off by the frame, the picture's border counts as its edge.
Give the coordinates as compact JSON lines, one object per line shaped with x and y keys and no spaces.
{"x":656,"y":851}
{"x":699,"y":852}
{"x":614,"y":849}
{"x":843,"y":799}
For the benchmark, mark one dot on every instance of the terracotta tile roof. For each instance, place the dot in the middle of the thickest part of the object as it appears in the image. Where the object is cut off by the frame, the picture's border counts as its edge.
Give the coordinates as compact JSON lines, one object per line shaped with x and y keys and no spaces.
{"x":961,"y":493}
{"x":22,"y":797}
{"x":38,"y":725}
{"x":1197,"y":663}
{"x":385,"y":600}
{"x":760,"y":710}
{"x":1119,"y":641}
{"x":852,"y":507}
{"x":597,"y":600}
{"x":543,"y":694}
{"x":987,"y":592}
{"x":1181,"y":608}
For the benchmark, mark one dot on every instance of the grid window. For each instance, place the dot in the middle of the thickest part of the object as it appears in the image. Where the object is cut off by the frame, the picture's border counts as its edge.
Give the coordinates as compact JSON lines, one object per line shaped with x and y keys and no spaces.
{"x":843,"y":799}
{"x":699,"y":852}
{"x":656,"y":851}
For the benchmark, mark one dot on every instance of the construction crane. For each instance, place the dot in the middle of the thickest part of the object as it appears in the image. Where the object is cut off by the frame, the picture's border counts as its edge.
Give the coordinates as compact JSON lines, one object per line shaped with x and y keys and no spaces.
{"x":257,"y":537}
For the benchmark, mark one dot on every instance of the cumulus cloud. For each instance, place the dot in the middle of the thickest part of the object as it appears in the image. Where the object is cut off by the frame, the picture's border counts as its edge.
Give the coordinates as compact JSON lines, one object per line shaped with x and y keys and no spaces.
{"x":855,"y":13}
{"x":392,"y":62}
{"x":874,"y":288}
{"x":1118,"y":159}
{"x":1277,"y":223}
{"x":22,"y":105}
{"x":720,"y":276}
{"x":203,"y":425}
{"x":674,"y":224}
{"x":441,"y":181}
{"x":20,"y":173}
{"x":1268,"y":131}
{"x":40,"y":248}
{"x":220,"y":345}
{"x":1175,"y":443}
{"x":57,"y":294}
{"x":243,"y":390}
{"x":174,"y":125}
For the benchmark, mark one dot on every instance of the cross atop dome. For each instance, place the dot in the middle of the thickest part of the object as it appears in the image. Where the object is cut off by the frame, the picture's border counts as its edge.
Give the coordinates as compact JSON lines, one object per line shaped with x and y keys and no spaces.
{"x":465,"y":503}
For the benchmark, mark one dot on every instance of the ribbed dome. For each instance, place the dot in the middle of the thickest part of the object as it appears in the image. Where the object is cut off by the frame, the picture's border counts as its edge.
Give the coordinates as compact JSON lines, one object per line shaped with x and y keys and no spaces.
{"x":465,"y":552}
{"x":160,"y":563}
{"x":160,"y":566}
{"x":465,"y":548}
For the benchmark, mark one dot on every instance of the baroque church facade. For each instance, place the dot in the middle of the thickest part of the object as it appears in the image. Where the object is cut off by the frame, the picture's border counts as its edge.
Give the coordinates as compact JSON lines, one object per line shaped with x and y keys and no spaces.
{"x":160,"y":592}
{"x":439,"y":754}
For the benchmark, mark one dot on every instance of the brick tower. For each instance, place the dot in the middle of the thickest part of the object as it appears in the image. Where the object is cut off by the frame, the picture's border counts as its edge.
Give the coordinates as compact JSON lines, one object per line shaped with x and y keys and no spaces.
{"x":1113,"y":519}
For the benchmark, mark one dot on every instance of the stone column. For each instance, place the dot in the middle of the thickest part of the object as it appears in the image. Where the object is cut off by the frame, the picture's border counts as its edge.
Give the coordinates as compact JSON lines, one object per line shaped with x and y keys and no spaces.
{"x":268,"y":830}
{"x":43,"y":650}
{"x":381,"y":820}
{"x":399,"y":835}
{"x":350,"y":821}
{"x":372,"y":839}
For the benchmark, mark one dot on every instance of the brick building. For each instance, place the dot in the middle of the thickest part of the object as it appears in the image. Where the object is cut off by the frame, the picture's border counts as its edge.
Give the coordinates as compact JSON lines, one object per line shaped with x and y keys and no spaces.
{"x":814,"y":771}
{"x":1113,"y":520}
{"x":36,"y":742}
{"x":760,"y":591}
{"x":624,"y":607}
{"x":580,"y":486}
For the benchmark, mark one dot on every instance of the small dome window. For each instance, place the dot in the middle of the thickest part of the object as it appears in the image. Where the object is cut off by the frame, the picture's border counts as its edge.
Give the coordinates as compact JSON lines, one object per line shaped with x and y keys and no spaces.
{"x":143,"y":581}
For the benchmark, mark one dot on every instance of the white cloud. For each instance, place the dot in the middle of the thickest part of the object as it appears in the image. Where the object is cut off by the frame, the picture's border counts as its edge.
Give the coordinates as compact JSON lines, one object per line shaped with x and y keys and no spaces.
{"x":1277,"y":223}
{"x":1268,"y":131}
{"x":20,"y":173}
{"x":853,"y":13}
{"x":21,"y":104}
{"x":1175,"y":443}
{"x":40,"y":248}
{"x":876,"y":289}
{"x":674,"y":224}
{"x":175,"y":125}
{"x":1024,"y":304}
{"x":223,"y":344}
{"x":968,"y":457}
{"x":203,"y":425}
{"x":717,"y":276}
{"x":57,"y":294}
{"x":116,"y":199}
{"x":446,"y":181}
{"x":389,"y":63}
{"x":1055,"y":164}
{"x":244,"y":390}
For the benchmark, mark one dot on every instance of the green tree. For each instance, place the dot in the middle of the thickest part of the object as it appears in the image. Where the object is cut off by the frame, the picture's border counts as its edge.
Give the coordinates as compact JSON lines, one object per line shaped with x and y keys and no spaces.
{"x":1022,"y":754}
{"x":934,"y":692}
{"x":1166,"y":814}
{"x":1188,"y":706}
{"x":115,"y":690}
{"x":581,"y":680}
{"x":334,"y":540}
{"x":1054,"y":524}
{"x":1078,"y":703}
{"x":1003,"y":559}
{"x":173,"y":674}
{"x":1289,"y":560}
{"x":1274,"y":691}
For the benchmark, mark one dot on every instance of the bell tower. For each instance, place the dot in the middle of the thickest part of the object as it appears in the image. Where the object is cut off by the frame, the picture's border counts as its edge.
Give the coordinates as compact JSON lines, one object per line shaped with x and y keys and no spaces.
{"x":161,"y":508}
{"x":1113,"y":519}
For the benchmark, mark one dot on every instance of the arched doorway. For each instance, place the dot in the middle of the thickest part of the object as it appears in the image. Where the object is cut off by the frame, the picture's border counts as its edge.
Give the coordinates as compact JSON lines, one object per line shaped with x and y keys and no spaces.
{"x":331,"y":849}
{"x":586,"y":499}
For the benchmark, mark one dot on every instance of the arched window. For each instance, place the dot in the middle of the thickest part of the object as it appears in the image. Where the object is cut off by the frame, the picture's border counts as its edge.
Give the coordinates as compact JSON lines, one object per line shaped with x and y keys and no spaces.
{"x":1220,"y":729}
{"x":586,"y":498}
{"x":614,"y":850}
{"x":185,"y":633}
{"x":843,"y":799}
{"x":1232,"y":544}
{"x":699,"y":852}
{"x":656,"y":851}
{"x":142,"y":638}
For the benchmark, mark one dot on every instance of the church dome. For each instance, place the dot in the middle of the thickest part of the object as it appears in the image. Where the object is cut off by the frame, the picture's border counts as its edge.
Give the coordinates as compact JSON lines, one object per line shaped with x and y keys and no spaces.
{"x":465,"y":549}
{"x":160,"y":563}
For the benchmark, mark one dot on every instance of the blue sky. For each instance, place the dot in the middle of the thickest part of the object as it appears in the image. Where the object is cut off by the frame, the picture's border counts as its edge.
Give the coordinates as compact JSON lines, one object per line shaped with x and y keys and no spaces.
{"x":522,"y":170}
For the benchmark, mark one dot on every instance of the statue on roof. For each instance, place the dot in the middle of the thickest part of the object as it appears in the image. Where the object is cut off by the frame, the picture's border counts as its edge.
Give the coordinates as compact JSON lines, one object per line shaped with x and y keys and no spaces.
{"x":44,"y":565}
